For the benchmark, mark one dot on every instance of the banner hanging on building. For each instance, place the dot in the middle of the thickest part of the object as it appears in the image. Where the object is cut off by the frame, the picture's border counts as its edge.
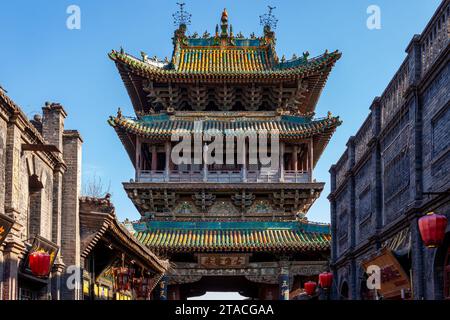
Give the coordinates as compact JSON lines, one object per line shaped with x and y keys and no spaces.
{"x":393,"y":279}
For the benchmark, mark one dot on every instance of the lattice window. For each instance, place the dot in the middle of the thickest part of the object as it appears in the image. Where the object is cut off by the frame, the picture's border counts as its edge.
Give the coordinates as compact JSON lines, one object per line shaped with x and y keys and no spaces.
{"x":365,"y":204}
{"x":396,"y":175}
{"x":342,"y":231}
{"x":399,"y":128}
{"x":440,"y":132}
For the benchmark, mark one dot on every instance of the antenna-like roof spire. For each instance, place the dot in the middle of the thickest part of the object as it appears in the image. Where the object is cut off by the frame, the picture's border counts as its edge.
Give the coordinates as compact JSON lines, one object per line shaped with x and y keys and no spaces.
{"x":268,"y":20}
{"x":181,"y":17}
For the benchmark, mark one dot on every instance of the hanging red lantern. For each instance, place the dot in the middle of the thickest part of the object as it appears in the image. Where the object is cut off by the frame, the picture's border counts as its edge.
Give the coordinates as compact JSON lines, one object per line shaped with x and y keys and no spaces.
{"x":432,"y":229}
{"x":39,"y":263}
{"x":310,"y":287}
{"x":325,"y":280}
{"x":122,"y":277}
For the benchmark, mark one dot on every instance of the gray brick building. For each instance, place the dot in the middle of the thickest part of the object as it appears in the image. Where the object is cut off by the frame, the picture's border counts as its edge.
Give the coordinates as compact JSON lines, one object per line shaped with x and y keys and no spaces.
{"x":40,"y":170}
{"x":41,"y":210}
{"x":395,"y":169}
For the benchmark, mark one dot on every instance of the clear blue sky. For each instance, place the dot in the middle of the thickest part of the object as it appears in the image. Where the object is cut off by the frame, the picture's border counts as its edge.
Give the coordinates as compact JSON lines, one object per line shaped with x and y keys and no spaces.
{"x":41,"y":60}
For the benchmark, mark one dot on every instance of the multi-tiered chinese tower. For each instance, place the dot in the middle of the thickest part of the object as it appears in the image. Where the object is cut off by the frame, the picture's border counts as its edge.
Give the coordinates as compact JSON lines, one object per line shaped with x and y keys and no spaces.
{"x":227,"y":227}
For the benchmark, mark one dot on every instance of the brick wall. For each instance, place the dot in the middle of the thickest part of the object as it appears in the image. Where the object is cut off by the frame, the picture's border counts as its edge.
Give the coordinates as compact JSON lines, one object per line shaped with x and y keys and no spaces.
{"x":436,"y":124}
{"x":400,"y":150}
{"x":32,"y":185}
{"x":70,"y":220}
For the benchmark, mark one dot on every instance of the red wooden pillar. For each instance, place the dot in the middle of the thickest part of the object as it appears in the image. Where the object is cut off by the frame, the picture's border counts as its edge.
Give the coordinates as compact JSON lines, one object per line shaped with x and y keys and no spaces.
{"x":138,"y":155}
{"x":311,"y":161}
{"x":281,"y":164}
{"x":167,"y":167}
{"x":154,"y":159}
{"x":295,"y":159}
{"x":307,"y":161}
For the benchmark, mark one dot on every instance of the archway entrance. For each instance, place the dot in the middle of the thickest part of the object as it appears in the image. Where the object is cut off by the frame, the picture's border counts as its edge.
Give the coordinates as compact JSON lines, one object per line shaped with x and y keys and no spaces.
{"x":216,"y":285}
{"x":211,"y":295}
{"x":344,"y":291}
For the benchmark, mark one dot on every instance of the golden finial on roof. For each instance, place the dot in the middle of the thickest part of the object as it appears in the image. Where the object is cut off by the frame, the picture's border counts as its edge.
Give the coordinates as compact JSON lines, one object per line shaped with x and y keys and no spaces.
{"x":119,"y":113}
{"x":224,"y":24}
{"x":329,"y":115}
{"x":224,"y":14}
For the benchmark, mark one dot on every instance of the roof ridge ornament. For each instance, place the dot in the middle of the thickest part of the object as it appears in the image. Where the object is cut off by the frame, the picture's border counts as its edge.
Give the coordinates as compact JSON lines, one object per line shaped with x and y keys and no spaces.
{"x":181,"y":18}
{"x":224,"y":24}
{"x":268,"y":20}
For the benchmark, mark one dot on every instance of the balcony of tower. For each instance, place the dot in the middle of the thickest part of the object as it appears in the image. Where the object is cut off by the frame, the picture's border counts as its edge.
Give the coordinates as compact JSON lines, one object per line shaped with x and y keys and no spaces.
{"x":160,"y":186}
{"x":161,"y":183}
{"x":154,"y":165}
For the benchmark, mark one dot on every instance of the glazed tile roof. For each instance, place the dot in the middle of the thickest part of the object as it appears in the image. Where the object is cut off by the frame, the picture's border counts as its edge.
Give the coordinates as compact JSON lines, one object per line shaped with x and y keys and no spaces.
{"x":213,"y":62}
{"x":162,"y":126}
{"x":223,"y":60}
{"x":175,"y":236}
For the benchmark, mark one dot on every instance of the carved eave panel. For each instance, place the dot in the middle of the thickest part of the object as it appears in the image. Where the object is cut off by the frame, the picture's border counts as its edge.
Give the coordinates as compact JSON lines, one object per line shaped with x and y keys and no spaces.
{"x":294,"y":95}
{"x":291,"y":97}
{"x":207,"y":201}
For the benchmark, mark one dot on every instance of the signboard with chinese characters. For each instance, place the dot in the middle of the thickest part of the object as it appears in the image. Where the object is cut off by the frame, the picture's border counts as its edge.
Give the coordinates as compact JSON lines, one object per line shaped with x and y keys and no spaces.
{"x":393,"y":279}
{"x":6,"y":224}
{"x":222,"y":260}
{"x":41,"y":245}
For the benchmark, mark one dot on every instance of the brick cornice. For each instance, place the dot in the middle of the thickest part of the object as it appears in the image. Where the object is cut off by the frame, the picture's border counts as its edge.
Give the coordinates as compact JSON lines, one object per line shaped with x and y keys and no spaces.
{"x":13,"y":245}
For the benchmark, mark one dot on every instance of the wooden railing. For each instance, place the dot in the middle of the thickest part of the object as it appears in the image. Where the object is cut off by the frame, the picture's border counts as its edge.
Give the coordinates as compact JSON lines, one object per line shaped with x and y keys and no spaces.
{"x":296,"y":176}
{"x":223,"y":176}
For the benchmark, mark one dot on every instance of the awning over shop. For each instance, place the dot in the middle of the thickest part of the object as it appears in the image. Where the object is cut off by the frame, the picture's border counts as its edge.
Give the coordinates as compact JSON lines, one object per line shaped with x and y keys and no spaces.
{"x":98,"y":221}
